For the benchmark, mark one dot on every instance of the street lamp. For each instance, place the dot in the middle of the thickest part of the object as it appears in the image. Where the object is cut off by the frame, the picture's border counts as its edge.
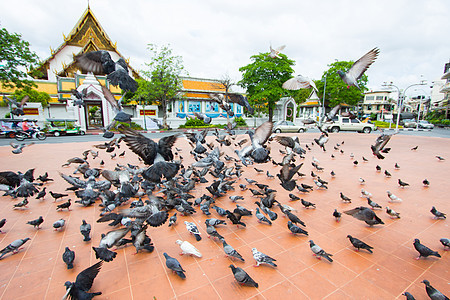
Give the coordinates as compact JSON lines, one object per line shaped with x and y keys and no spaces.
{"x":402,"y":97}
{"x":322,"y":117}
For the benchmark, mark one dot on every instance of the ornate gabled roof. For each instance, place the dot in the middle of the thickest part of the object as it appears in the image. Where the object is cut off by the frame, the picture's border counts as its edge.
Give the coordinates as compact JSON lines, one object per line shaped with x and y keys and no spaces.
{"x":87,"y":34}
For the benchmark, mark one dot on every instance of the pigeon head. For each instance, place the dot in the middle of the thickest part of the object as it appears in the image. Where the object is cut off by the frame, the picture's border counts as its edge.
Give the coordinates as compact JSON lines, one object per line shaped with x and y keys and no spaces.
{"x":427,"y":283}
{"x":416,"y":241}
{"x":178,"y":242}
{"x":340,"y":73}
{"x":68,"y":284}
{"x":349,"y":236}
{"x":166,"y":255}
{"x":311,"y":242}
{"x":254,"y":250}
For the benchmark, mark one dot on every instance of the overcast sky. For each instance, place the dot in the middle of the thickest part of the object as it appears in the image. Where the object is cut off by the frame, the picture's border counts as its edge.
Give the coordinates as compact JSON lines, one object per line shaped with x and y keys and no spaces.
{"x":217,"y":37}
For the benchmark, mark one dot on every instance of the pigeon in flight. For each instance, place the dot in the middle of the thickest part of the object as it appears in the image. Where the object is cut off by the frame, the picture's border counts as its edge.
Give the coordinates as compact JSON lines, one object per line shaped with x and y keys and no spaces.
{"x":18,"y":111}
{"x":364,"y":214}
{"x":380,"y":145}
{"x":358,"y":68}
{"x":299,"y":82}
{"x":274,"y":52}
{"x":83,"y":283}
{"x":256,"y":150}
{"x":18,"y":148}
{"x":100,"y":62}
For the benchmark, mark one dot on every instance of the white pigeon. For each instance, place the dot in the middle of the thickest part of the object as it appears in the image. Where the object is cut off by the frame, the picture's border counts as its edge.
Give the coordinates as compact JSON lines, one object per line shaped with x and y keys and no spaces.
{"x":188,"y":248}
{"x":274,"y":52}
{"x":361,"y":181}
{"x":299,"y":82}
{"x":365,"y":194}
{"x":262,"y":258}
{"x":393,"y":197}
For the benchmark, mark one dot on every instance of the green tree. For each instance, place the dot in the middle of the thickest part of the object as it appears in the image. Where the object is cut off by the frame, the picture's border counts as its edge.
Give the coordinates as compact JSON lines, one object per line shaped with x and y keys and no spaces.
{"x":336,"y":90}
{"x":263,"y":79}
{"x":35,"y":96}
{"x":16,"y":61}
{"x":164,"y":78}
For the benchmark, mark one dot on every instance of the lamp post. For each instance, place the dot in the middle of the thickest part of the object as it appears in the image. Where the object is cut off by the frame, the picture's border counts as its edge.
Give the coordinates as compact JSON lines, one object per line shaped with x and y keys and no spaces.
{"x":323,"y":101}
{"x":401,"y":97}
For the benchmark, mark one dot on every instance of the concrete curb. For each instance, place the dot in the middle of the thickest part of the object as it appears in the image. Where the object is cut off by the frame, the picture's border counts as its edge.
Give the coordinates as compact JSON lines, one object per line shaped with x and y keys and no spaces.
{"x":408,"y":129}
{"x":174,"y":130}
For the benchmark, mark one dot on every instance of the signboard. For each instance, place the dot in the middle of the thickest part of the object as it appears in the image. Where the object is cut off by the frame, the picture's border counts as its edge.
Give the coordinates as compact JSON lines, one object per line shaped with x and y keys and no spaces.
{"x":388,"y":117}
{"x":148,"y":112}
{"x":31,"y":111}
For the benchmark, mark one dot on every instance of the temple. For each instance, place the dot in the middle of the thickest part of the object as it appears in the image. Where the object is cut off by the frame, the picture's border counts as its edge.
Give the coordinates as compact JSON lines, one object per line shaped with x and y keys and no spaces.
{"x":59,"y":75}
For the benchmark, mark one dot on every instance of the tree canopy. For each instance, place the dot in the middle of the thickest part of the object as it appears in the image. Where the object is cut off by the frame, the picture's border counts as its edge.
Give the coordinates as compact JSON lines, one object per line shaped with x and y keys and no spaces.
{"x":163,"y":78}
{"x":16,"y":60}
{"x":35,"y":96}
{"x":263,"y":79}
{"x":336,"y":90}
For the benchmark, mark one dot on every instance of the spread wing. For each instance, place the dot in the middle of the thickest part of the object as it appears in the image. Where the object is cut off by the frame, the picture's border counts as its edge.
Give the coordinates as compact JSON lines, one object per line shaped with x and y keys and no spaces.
{"x":285,"y":141}
{"x":139,"y":144}
{"x":73,"y":180}
{"x":24,"y":100}
{"x":262,"y":133}
{"x":86,"y":277}
{"x":92,"y":61}
{"x":110,"y":98}
{"x":165,"y":146}
{"x":362,"y":64}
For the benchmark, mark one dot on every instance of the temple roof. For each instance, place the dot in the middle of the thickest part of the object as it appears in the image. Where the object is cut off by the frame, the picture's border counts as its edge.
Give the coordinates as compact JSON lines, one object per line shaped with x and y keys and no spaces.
{"x":88,"y":35}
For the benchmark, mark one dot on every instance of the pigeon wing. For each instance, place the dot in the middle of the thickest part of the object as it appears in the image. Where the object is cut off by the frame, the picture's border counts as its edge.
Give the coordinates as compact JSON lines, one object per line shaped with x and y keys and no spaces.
{"x":24,"y":100}
{"x":262,"y":133}
{"x":362,"y":64}
{"x":165,"y":146}
{"x":92,"y":61}
{"x":110,"y":98}
{"x":139,"y":144}
{"x":86,"y":277}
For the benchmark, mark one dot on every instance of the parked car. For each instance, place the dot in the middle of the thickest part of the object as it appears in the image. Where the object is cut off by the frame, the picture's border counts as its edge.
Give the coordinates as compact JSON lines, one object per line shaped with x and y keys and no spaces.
{"x":288,"y":126}
{"x":409,"y":123}
{"x":347,"y":124}
{"x":59,"y":127}
{"x":425,"y":124}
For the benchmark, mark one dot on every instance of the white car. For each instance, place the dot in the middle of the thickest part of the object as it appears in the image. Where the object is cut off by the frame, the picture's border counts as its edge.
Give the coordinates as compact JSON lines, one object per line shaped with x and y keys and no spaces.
{"x":288,"y":126}
{"x":425,"y":124}
{"x":346,"y":124}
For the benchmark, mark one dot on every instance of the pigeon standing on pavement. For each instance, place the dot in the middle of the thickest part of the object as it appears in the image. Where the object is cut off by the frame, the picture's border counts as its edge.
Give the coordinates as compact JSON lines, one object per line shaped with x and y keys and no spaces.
{"x":68,"y":257}
{"x":192,"y":228}
{"x":14,"y":247}
{"x":188,"y":248}
{"x":295,"y":229}
{"x":262,"y":258}
{"x":174,"y":265}
{"x":433,"y":293}
{"x":230,"y":252}
{"x":437,"y":214}
{"x":242,"y":277}
{"x":85,"y":230}
{"x":59,"y":224}
{"x":446,"y":243}
{"x":337,"y":215}
{"x":358,"y":244}
{"x":319,"y":252}
{"x":37,"y":222}
{"x":423,"y":250}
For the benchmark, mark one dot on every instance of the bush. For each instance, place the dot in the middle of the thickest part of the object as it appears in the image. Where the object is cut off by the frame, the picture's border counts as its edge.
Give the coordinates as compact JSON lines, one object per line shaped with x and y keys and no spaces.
{"x":133,"y":125}
{"x":194,"y":123}
{"x":240,"y":122}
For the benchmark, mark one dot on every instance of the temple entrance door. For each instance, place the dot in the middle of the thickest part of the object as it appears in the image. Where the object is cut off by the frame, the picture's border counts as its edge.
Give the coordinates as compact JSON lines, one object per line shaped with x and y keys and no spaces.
{"x":94,"y":115}
{"x":289,"y":112}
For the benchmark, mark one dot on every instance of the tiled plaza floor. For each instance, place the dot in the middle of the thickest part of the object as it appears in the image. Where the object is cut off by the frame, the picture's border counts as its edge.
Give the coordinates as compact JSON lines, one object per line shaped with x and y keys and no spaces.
{"x":38,"y":272}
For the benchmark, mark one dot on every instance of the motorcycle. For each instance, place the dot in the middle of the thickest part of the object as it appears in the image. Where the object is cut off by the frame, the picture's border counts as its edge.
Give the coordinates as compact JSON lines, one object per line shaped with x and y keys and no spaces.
{"x":22,"y":135}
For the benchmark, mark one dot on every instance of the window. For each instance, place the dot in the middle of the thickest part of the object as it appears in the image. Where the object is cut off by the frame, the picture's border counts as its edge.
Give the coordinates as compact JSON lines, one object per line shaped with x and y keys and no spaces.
{"x":379,"y":98}
{"x":354,"y":121}
{"x":345,"y":120}
{"x":212,"y":107}
{"x":194,"y":106}
{"x":369,"y":107}
{"x":369,"y":98}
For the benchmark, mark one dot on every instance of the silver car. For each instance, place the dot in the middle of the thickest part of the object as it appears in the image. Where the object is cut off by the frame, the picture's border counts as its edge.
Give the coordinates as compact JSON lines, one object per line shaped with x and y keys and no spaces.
{"x":425,"y":124}
{"x":288,"y":126}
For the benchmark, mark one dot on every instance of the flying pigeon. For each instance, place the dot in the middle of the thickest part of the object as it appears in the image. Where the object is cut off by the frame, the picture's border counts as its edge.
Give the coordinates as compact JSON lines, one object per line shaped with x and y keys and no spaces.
{"x":274,"y":52}
{"x":261,"y":218}
{"x":18,"y":147}
{"x":319,"y":252}
{"x":262,"y":258}
{"x":380,"y":145}
{"x":358,"y":244}
{"x":188,"y":248}
{"x":364,"y":214}
{"x":299,"y":82}
{"x":423,"y":250}
{"x":242,"y":277}
{"x":358,"y":68}
{"x":83,"y":283}
{"x":256,"y":150}
{"x":18,"y":111}
{"x":174,"y":265}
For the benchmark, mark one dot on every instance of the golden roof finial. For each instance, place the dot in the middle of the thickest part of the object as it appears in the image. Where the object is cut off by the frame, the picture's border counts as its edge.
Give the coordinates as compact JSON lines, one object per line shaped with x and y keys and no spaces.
{"x":52,"y":51}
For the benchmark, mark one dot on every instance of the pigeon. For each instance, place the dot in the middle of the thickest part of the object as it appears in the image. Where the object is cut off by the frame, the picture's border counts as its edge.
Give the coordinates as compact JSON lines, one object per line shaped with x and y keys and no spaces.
{"x":234,"y":198}
{"x":423,"y":250}
{"x":345,"y":198}
{"x":437,"y":214}
{"x":337,"y":215}
{"x":396,"y":166}
{"x":295,"y":229}
{"x":358,"y":68}
{"x":230,"y":252}
{"x":188,"y":248}
{"x":426,"y":183}
{"x":414,"y":148}
{"x":446,"y":243}
{"x":44,"y":178}
{"x":100,"y":62}
{"x":192,"y":228}
{"x":37,"y":222}
{"x":299,"y":82}
{"x":387,"y":174}
{"x":222,"y":212}
{"x":173,"y":219}
{"x":256,"y":150}
{"x":358,"y":244}
{"x":83,"y":283}
{"x":64,"y":205}
{"x":308,"y":204}
{"x":56,"y":196}
{"x":392,"y":213}
{"x":274,"y":52}
{"x":104,"y":254}
{"x":408,"y":296}
{"x":319,"y":252}
{"x":433,"y":293}
{"x":85,"y":230}
{"x":378,"y":168}
{"x":380,"y":144}
{"x":440,"y":158}
{"x":22,"y":203}
{"x":362,"y":181}
{"x":393,"y":198}
{"x":261,"y":218}
{"x":402,"y":183}
{"x":365,"y":214}
{"x":322,"y":140}
{"x":212,"y":232}
{"x":373,"y":204}
{"x":14,"y":247}
{"x":2,"y":223}
{"x":18,"y":111}
{"x":59,"y":224}
{"x":41,"y":194}
{"x":242,"y":277}
{"x":68,"y":257}
{"x":235,"y":217}
{"x":18,"y":148}
{"x":174,"y":265}
{"x":293,"y":197}
{"x":262,"y":258}
{"x":214,"y":222}
{"x":291,"y":144}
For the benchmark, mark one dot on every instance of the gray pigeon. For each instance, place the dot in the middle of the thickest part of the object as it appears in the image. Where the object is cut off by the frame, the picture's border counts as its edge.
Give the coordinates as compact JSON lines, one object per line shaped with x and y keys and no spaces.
{"x":364,"y":214}
{"x":229,"y":251}
{"x":68,"y":257}
{"x":358,"y":244}
{"x":262,"y":258}
{"x":295,"y":229}
{"x":358,"y":68}
{"x":59,"y":224}
{"x":36,"y":223}
{"x":214,"y":222}
{"x":261,"y":218}
{"x":423,"y":250}
{"x":14,"y":247}
{"x":173,"y":219}
{"x":174,"y":265}
{"x":192,"y":228}
{"x":212,"y":232}
{"x":445,"y":242}
{"x":433,"y":293}
{"x":319,"y":252}
{"x":437,"y":214}
{"x":408,"y":296}
{"x":242,"y":277}
{"x":85,"y":230}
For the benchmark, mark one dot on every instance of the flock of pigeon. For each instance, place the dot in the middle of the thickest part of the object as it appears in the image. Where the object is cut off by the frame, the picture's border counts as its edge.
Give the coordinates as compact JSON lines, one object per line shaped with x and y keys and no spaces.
{"x":135,"y":198}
